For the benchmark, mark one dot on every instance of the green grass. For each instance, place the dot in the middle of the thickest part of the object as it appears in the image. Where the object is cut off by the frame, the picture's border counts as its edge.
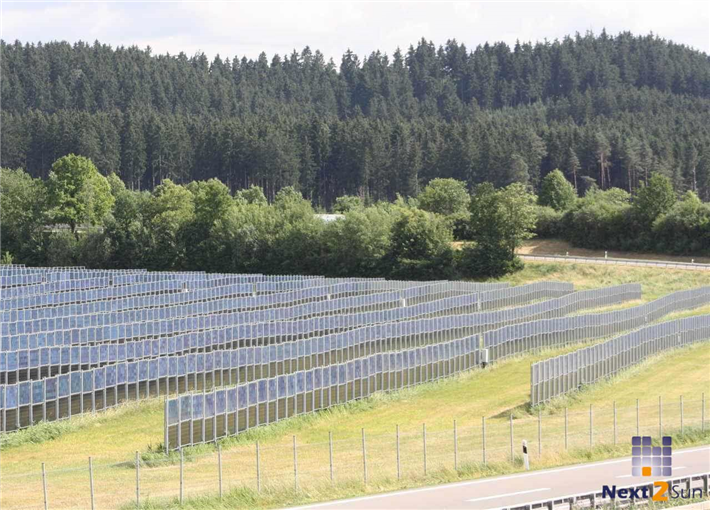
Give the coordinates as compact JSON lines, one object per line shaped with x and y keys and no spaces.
{"x":277,"y":496}
{"x":496,"y":392}
{"x":655,"y":282}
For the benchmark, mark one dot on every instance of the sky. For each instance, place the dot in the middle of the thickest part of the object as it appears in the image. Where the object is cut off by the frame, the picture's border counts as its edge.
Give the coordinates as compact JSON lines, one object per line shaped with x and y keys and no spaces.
{"x":247,"y":28}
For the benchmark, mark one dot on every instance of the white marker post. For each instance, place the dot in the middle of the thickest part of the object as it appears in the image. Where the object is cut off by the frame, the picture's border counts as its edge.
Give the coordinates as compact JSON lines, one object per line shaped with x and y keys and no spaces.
{"x":526,"y":459}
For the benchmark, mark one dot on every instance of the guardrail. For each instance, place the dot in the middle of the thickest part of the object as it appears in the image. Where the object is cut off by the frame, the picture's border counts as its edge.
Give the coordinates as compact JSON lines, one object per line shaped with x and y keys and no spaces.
{"x":620,"y":262}
{"x":692,"y":483}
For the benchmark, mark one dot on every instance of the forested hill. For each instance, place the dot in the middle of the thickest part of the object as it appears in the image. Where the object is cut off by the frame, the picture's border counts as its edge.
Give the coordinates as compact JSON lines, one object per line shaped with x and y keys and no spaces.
{"x":608,"y":109}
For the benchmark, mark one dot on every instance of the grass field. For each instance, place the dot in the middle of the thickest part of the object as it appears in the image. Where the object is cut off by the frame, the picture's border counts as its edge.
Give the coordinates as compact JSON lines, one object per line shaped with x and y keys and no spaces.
{"x":112,"y":438}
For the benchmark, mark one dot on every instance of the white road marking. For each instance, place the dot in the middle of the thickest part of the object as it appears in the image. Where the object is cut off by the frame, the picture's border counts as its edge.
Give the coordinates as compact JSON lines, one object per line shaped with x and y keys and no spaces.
{"x":497,"y":496}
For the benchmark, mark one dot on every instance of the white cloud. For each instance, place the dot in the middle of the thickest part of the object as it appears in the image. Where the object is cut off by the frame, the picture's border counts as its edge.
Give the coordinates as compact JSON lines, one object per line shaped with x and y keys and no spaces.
{"x":248,"y":28}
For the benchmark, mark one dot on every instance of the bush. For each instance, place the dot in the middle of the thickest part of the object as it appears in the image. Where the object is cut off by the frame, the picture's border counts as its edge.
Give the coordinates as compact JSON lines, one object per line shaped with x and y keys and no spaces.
{"x":599,"y":220}
{"x":549,"y":222}
{"x":685,"y":228}
{"x":486,"y":261}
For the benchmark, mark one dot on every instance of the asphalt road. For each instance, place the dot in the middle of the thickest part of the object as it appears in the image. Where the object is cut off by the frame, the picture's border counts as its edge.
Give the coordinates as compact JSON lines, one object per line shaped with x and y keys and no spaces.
{"x":491,"y":493}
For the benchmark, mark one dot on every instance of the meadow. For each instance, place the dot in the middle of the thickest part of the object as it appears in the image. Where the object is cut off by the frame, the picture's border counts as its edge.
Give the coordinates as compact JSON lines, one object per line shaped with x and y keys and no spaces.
{"x":496,"y":393}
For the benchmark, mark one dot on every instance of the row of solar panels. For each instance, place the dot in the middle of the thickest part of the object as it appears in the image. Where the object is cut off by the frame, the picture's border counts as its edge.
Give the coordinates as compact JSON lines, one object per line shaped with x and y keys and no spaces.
{"x":268,"y":334}
{"x":136,"y":327}
{"x":582,"y":327}
{"x":515,"y":295}
{"x":173,"y":291}
{"x":594,"y":363}
{"x":257,"y":403}
{"x":36,"y":392}
{"x":45,"y":299}
{"x":628,"y":318}
{"x":64,"y":286}
{"x":32,"y":276}
{"x":202,"y":297}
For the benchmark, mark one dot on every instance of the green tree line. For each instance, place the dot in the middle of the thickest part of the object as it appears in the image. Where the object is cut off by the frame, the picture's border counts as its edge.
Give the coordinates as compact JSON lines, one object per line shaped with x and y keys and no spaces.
{"x":79,"y":217}
{"x":605,"y":110}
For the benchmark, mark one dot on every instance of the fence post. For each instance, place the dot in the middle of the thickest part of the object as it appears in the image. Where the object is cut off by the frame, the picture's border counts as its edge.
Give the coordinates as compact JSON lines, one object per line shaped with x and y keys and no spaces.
{"x":456,"y":448}
{"x":295,"y":465}
{"x":660,"y":416}
{"x":702,"y":413}
{"x":138,"y":481}
{"x":614,"y":422}
{"x":591,"y":427}
{"x":182,"y":475}
{"x":681,"y":414}
{"x":219,"y":465}
{"x":91,"y":481}
{"x":364,"y":458}
{"x":539,"y":433}
{"x":565,"y":429}
{"x":399,"y":473}
{"x":166,"y":438}
{"x":638,"y":427}
{"x":424,"y":439}
{"x":330,"y":454}
{"x":512,"y":457}
{"x":44,"y":487}
{"x":258,"y":469}
{"x":483,"y":437}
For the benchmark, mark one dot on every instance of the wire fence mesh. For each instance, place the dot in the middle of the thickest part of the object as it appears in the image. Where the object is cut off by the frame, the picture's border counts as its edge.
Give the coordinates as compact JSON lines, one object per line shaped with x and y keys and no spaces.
{"x":550,"y":436}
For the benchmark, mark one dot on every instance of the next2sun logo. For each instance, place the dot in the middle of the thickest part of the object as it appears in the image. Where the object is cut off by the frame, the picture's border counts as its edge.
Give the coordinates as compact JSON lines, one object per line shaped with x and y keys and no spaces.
{"x":648,"y":460}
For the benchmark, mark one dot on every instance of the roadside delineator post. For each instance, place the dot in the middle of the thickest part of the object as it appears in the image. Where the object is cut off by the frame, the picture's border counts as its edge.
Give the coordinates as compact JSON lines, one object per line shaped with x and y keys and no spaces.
{"x":526,"y":460}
